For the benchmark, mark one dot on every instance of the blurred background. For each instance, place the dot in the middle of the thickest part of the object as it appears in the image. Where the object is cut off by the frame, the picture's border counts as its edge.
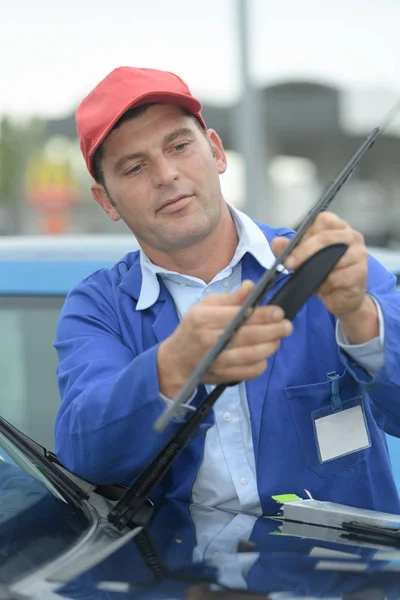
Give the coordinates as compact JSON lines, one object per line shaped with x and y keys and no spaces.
{"x":291,"y":87}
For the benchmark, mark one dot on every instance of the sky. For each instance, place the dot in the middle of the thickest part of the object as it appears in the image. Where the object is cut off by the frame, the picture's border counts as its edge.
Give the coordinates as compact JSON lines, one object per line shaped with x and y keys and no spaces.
{"x":53,"y":53}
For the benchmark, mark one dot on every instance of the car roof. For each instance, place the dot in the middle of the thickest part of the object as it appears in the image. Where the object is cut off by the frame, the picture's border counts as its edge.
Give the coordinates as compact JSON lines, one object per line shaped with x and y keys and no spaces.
{"x":53,"y":265}
{"x":37,"y":247}
{"x":389,"y":258}
{"x":109,"y":247}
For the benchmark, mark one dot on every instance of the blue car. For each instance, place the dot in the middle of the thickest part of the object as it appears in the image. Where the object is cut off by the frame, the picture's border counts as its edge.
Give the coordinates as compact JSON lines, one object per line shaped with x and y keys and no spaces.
{"x":36,"y":273}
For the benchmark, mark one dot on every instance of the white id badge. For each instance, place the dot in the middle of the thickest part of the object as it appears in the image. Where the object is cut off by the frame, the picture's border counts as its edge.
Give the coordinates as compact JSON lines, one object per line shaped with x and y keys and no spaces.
{"x":341,"y":428}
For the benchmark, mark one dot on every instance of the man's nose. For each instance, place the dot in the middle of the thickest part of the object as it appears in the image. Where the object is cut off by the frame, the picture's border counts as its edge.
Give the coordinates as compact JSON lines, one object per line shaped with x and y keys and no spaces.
{"x":164,"y":172}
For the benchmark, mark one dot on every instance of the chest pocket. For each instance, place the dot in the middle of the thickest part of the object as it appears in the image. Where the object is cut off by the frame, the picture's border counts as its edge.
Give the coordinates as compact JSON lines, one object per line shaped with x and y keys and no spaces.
{"x":303,"y":401}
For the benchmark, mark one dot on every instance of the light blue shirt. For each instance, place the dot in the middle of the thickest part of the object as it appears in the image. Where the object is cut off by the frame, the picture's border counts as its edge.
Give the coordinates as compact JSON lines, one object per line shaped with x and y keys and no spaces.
{"x":227,"y":476}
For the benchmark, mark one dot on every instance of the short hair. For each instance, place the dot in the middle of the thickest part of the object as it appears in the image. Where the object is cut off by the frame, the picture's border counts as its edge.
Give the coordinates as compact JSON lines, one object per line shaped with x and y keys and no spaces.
{"x":132,"y":113}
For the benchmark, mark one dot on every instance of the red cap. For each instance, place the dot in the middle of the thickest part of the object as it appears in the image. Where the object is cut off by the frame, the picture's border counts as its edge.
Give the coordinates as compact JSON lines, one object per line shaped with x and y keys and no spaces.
{"x":120,"y":90}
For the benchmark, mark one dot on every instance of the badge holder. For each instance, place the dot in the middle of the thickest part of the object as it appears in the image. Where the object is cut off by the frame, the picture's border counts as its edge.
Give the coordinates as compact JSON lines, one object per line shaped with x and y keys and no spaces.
{"x":340,"y":428}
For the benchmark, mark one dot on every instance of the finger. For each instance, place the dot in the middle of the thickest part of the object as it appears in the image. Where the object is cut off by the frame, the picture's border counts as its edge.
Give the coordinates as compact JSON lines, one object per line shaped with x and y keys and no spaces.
{"x":324,"y":221}
{"x":234,"y":298}
{"x":206,"y":317}
{"x":246,"y":355}
{"x":252,"y":335}
{"x":278,"y":244}
{"x":263,"y":315}
{"x":318,"y":241}
{"x":259,"y":334}
{"x":344,"y":279}
{"x":354,"y":255}
{"x":236,"y":373}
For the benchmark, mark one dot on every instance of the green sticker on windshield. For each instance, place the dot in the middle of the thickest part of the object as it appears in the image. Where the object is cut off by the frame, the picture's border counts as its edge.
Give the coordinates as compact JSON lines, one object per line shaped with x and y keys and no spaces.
{"x":282,"y":498}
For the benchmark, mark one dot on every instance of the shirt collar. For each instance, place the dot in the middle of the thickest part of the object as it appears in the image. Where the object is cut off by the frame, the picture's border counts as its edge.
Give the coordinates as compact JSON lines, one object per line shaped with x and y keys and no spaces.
{"x":251,"y":240}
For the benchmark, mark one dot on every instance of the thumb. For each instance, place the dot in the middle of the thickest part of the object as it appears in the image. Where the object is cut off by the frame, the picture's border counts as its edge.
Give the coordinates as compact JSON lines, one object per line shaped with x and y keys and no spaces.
{"x":241,"y":293}
{"x":278,"y":244}
{"x":231,"y":298}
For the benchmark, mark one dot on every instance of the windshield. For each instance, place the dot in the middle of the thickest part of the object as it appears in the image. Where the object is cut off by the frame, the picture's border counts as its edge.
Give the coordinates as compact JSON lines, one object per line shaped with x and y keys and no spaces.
{"x":196,"y":552}
{"x":28,"y":362}
{"x":36,"y":522}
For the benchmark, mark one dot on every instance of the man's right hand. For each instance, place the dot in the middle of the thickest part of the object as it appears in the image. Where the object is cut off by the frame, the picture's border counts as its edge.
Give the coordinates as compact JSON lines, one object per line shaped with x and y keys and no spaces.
{"x":244,"y":358}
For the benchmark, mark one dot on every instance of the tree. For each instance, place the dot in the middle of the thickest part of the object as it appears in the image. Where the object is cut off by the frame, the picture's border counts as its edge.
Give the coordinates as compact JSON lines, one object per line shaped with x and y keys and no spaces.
{"x":9,"y":161}
{"x":17,"y":144}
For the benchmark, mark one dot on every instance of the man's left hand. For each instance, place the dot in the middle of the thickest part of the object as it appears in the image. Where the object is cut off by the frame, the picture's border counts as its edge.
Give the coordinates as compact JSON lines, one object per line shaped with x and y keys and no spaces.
{"x":344,"y":292}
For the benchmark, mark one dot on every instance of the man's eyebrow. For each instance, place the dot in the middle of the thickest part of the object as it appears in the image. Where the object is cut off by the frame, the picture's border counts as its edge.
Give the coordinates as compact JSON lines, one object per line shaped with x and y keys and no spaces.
{"x":182,"y":131}
{"x":168,"y":139}
{"x":121,"y":161}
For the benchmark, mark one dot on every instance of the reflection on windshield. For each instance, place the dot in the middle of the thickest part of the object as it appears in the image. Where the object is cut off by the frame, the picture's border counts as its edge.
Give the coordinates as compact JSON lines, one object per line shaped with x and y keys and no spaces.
{"x":36,"y":523}
{"x":9,"y":453}
{"x":199,"y":553}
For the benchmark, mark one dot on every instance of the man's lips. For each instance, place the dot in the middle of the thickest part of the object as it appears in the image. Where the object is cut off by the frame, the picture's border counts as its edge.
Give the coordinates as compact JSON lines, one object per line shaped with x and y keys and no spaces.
{"x":175,"y":204}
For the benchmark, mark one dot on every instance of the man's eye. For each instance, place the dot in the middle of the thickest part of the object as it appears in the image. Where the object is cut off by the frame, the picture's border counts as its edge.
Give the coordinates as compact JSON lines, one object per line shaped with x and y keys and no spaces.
{"x":181,"y":146}
{"x":135,"y":169}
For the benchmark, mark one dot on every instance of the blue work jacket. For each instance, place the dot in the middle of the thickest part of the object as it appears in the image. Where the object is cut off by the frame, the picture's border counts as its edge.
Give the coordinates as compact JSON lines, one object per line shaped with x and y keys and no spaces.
{"x":110,"y":393}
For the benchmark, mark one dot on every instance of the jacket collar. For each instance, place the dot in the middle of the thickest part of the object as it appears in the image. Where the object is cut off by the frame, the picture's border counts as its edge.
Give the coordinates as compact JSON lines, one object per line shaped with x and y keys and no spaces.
{"x":143,"y":280}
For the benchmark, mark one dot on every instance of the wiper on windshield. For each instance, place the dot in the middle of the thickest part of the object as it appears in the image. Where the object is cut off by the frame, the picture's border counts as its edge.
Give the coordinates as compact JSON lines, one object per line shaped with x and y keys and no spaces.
{"x":44,"y":460}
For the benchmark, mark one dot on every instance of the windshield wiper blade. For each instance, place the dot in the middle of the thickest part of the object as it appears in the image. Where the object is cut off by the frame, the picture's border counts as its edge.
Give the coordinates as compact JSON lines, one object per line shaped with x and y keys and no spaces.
{"x":44,"y":460}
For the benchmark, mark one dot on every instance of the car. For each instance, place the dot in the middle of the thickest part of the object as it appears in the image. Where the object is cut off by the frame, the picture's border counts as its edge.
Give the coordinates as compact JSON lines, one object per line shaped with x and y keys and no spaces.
{"x":47,"y":513}
{"x":63,"y":537}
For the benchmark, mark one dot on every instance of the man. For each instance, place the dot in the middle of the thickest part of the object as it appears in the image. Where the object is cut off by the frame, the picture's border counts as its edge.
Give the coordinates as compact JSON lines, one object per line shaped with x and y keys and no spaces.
{"x":316,"y":395}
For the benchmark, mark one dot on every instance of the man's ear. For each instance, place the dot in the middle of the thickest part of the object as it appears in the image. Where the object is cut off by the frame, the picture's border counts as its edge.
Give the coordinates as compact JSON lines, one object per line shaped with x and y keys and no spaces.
{"x":218,"y":150}
{"x":99,"y":193}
